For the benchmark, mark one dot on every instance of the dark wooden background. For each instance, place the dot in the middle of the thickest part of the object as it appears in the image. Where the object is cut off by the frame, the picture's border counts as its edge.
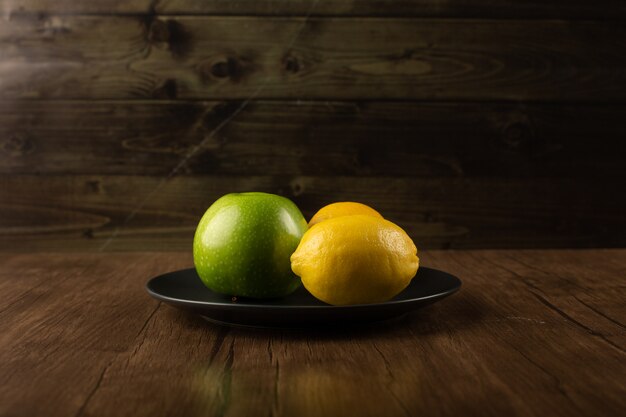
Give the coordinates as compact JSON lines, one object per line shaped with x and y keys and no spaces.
{"x":471,"y":123}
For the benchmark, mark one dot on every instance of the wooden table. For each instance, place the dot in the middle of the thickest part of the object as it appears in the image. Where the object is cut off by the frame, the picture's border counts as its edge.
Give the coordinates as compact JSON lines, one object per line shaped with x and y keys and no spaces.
{"x":536,"y":333}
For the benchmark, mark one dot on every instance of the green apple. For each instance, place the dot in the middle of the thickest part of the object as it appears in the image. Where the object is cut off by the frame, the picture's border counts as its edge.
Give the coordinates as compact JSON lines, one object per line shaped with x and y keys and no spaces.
{"x":244,"y":242}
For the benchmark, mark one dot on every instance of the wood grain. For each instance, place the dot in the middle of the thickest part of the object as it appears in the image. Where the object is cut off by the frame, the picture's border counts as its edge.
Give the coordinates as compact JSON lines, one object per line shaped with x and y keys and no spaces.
{"x":319,"y":58}
{"x":531,"y":333}
{"x":397,"y":139}
{"x":610,"y":9}
{"x":140,"y":213}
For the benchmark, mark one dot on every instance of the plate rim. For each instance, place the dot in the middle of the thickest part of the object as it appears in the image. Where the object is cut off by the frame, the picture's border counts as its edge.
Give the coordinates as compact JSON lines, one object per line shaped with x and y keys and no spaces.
{"x":235,"y":306}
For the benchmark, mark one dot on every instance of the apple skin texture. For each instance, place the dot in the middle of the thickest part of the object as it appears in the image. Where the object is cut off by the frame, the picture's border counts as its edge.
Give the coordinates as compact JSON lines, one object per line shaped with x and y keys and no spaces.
{"x":243,"y":244}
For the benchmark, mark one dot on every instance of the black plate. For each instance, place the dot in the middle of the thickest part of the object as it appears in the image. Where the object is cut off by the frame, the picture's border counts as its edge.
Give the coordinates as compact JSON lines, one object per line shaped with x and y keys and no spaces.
{"x":183,"y":289}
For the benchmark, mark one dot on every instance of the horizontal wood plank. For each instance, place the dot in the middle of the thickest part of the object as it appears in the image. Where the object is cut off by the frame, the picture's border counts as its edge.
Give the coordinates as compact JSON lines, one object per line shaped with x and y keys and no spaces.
{"x":51,"y":337}
{"x":313,"y":138}
{"x":137,"y":213}
{"x":509,"y":343}
{"x":419,"y":8}
{"x":323,"y":58}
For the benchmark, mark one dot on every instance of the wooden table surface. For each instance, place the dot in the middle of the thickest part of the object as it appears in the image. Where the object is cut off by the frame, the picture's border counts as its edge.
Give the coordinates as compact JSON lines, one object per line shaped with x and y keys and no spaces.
{"x":531,"y":333}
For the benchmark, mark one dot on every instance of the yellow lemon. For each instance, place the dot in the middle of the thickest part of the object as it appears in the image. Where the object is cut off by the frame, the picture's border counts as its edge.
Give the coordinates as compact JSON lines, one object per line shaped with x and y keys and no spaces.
{"x":356,"y":259}
{"x":345,"y":208}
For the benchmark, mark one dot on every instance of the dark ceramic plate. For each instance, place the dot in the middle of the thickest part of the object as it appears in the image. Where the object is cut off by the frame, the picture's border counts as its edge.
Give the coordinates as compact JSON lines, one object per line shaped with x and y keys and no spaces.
{"x":183,"y":289}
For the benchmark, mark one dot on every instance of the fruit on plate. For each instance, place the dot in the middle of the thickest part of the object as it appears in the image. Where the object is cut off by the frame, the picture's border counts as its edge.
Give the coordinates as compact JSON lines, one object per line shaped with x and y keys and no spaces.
{"x":344,"y":208}
{"x":243,"y":244}
{"x":356,"y":259}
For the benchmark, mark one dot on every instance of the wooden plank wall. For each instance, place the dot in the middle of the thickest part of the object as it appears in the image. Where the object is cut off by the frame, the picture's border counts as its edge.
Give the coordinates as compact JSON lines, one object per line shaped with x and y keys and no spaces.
{"x":470,"y":123}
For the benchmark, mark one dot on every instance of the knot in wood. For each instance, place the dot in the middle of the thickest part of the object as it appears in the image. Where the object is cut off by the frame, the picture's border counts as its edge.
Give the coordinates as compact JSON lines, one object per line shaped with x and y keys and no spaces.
{"x":516,"y":136}
{"x":159,"y":31}
{"x":291,"y":64}
{"x":297,"y":187}
{"x":226,"y":68}
{"x":17,"y":145}
{"x":94,"y":186}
